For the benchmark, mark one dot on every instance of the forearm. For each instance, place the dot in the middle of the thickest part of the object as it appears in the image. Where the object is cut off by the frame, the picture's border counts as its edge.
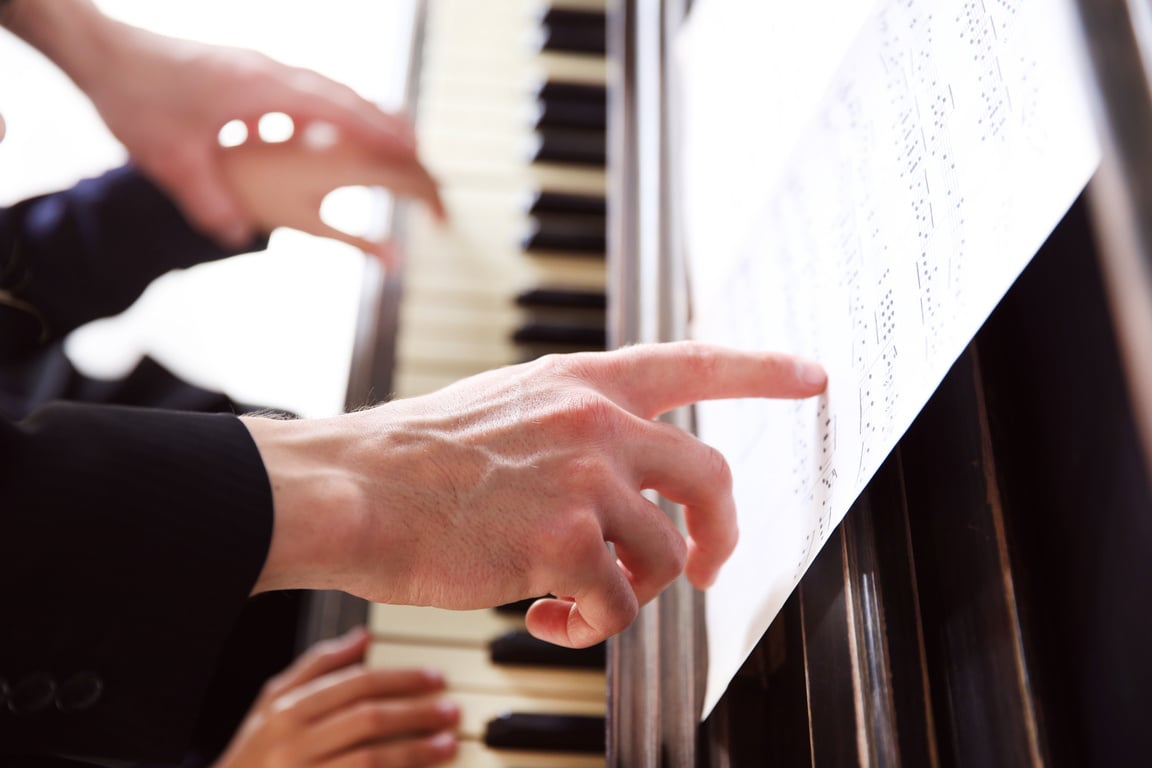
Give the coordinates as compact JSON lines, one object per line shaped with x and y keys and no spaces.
{"x":74,"y":34}
{"x":315,"y":499}
{"x":511,"y":483}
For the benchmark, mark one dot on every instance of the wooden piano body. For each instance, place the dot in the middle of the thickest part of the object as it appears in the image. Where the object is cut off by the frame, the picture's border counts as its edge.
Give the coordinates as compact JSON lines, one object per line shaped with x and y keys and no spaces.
{"x":986,"y":600}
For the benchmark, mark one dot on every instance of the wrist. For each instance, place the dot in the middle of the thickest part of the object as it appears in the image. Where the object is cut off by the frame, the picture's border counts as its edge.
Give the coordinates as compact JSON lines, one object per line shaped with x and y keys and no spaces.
{"x":317,"y":503}
{"x":74,"y":34}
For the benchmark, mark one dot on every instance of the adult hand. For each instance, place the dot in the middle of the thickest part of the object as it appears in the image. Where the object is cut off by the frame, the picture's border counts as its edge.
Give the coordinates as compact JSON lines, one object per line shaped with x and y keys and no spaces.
{"x":166,"y":100}
{"x":284,"y":183}
{"x":327,"y":709}
{"x":512,"y":483}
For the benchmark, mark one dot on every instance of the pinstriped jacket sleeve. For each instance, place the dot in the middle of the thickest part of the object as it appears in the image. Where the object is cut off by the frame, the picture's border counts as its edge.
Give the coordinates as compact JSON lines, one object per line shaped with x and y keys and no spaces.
{"x":89,"y":252}
{"x":130,"y":539}
{"x":129,"y":542}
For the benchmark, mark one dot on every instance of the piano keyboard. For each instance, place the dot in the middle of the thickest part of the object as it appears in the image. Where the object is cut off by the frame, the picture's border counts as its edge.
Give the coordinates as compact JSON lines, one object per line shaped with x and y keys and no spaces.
{"x":510,"y":118}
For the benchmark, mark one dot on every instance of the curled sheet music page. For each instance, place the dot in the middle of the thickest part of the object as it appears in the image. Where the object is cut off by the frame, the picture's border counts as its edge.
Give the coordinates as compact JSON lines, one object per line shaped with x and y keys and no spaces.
{"x":862,"y":183}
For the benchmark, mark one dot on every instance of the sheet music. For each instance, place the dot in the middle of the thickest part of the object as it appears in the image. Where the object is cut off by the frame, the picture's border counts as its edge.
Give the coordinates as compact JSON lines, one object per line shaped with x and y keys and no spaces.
{"x":902,"y":162}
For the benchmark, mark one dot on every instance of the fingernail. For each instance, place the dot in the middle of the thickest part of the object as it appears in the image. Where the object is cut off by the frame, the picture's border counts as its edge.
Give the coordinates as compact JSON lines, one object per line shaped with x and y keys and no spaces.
{"x":355,"y":634}
{"x":443,"y":743}
{"x":449,"y":710}
{"x":811,"y":372}
{"x":236,"y":235}
{"x":434,"y":677}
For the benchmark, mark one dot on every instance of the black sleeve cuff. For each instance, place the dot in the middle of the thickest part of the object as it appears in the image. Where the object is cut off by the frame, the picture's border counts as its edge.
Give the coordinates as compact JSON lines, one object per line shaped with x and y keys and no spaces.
{"x":129,"y":543}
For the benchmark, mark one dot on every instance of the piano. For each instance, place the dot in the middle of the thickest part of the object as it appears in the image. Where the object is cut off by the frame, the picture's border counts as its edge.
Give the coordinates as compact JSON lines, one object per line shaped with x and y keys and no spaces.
{"x":984,"y":602}
{"x":510,"y":105}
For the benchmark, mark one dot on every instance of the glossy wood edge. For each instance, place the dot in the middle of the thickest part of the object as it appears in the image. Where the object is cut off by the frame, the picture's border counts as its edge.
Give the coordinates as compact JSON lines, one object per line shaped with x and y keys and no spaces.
{"x":978,"y":679}
{"x":656,"y":667}
{"x":868,"y":668}
{"x":1030,"y":728}
{"x":1117,"y":43}
{"x":629,"y":736}
{"x":684,"y":667}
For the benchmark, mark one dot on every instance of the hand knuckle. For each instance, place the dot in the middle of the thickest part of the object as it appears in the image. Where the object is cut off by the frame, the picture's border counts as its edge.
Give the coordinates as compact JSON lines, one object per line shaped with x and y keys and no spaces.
{"x":281,"y":756}
{"x":367,"y":758}
{"x":718,"y":468}
{"x":272,"y":686}
{"x":585,"y":475}
{"x":571,"y":539}
{"x":703,"y":360}
{"x":677,"y":559}
{"x":624,"y":612}
{"x":374,"y":719}
{"x":282,"y":712}
{"x":591,"y":417}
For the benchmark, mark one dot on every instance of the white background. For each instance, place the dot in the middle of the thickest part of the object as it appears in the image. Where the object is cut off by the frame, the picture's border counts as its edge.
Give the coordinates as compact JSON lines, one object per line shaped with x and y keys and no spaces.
{"x":273,"y":328}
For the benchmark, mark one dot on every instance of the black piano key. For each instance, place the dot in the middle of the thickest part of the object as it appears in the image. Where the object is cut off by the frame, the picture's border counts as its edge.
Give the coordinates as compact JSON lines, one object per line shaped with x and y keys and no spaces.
{"x":519,"y":647}
{"x":553,"y":733}
{"x":562,"y":298}
{"x":572,"y":105}
{"x":561,"y":202}
{"x":583,"y":115}
{"x":568,"y":30}
{"x":575,"y":18}
{"x":588,"y":41}
{"x":562,"y":90}
{"x":580,"y":234}
{"x":561,"y":335}
{"x":563,"y":145}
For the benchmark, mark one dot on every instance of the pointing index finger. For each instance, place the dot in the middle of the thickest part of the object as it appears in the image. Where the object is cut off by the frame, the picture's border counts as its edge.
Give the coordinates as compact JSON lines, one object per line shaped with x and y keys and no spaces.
{"x":650,"y":379}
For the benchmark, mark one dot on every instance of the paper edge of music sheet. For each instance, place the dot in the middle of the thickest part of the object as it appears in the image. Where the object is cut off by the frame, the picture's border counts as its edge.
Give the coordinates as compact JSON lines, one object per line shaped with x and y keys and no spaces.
{"x":937,"y":130}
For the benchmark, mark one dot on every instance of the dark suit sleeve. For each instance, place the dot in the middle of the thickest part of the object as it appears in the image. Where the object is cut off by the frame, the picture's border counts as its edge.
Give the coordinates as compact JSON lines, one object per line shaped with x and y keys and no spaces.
{"x":130,"y":540}
{"x":89,"y":252}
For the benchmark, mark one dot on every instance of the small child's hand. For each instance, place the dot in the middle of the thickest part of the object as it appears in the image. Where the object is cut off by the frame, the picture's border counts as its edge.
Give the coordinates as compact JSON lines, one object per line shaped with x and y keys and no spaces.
{"x":328,"y":709}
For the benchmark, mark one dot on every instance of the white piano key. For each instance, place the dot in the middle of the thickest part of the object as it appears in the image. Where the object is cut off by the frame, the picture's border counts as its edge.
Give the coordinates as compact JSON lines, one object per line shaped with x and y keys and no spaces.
{"x":539,"y":66}
{"x":478,"y":709}
{"x":474,"y":754}
{"x":503,"y":167}
{"x":477,"y":352}
{"x":469,"y":35}
{"x":454,"y":116}
{"x":414,"y":623}
{"x":475,"y":117}
{"x":435,"y":311}
{"x":577,"y":5}
{"x":464,"y":252}
{"x":506,"y":112}
{"x":412,"y":381}
{"x":487,"y":88}
{"x":469,"y":669}
{"x":491,"y":263}
{"x":584,"y":5}
{"x":473,"y":340}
